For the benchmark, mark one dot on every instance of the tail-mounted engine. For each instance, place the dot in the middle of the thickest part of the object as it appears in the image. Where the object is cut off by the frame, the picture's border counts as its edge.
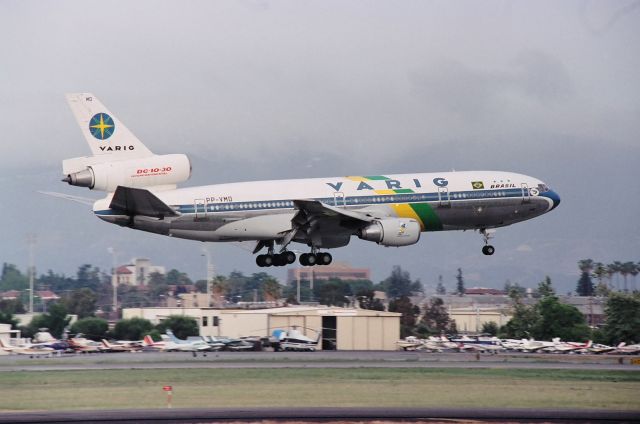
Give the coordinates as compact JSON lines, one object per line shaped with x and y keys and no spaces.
{"x":392,"y":232}
{"x":157,"y":170}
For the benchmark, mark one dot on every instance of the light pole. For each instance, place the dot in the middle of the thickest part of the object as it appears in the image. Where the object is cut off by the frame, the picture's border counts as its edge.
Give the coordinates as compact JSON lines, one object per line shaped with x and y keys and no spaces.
{"x":210,"y":274}
{"x":114,"y":280}
{"x":298,"y":288}
{"x":31,"y":241}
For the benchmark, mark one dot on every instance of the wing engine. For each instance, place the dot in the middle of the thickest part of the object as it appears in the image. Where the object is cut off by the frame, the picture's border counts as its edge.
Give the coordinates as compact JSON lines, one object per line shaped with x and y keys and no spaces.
{"x":392,"y":232}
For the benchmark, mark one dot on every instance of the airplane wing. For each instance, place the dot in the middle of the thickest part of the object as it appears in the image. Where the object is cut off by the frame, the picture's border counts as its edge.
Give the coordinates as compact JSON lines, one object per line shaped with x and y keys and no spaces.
{"x":315,"y":218}
{"x":319,"y":210}
{"x":138,"y":201}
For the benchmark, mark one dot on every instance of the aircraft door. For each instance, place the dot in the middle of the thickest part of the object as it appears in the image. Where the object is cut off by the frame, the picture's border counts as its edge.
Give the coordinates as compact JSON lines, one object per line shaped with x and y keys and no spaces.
{"x":443,"y":197}
{"x":526,"y":196}
{"x":200,"y":208}
{"x":339,"y":199}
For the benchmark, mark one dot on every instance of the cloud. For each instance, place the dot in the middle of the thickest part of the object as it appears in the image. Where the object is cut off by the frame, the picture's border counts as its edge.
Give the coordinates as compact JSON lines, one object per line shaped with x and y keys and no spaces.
{"x":259,"y":90}
{"x":524,"y":248}
{"x":471,"y":93}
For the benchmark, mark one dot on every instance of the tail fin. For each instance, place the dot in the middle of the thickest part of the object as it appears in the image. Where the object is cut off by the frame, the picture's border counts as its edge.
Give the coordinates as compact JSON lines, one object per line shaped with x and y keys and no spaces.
{"x":172,"y":336}
{"x":148,"y":341}
{"x":104,"y":133}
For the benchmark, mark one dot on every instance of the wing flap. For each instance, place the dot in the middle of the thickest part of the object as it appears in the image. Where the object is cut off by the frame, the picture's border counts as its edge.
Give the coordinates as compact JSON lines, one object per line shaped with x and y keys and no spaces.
{"x":316,"y":220}
{"x":319,"y":209}
{"x":138,"y":201}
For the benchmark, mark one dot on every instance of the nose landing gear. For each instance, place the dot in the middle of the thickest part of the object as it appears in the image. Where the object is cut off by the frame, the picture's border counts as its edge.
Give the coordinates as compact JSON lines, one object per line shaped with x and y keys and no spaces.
{"x":488,"y":250}
{"x":487,"y":235}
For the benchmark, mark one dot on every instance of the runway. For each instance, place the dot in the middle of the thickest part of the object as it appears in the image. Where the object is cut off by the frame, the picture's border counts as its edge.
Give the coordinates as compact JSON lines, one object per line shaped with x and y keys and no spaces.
{"x":342,"y":415}
{"x":326,"y":359}
{"x":322,"y":359}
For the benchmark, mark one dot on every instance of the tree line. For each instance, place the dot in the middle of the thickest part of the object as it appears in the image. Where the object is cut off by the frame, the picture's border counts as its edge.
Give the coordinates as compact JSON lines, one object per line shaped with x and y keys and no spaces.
{"x":604,"y":275}
{"x":90,"y":292}
{"x":57,"y":321}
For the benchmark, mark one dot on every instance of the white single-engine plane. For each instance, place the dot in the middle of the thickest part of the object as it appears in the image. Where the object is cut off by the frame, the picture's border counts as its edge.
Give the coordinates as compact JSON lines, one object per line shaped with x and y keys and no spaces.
{"x":323,"y":213}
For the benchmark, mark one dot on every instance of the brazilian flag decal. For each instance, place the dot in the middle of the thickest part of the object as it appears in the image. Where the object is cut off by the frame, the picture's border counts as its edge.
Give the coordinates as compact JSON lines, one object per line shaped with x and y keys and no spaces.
{"x":477,"y":185}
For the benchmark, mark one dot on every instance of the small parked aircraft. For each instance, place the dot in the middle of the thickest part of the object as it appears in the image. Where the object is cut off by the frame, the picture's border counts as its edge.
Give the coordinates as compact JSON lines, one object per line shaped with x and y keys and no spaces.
{"x":174,"y":344}
{"x":80,"y":344}
{"x":626,"y":349}
{"x":121,"y":346}
{"x":27,"y":349}
{"x":294,"y":340}
{"x":226,"y":343}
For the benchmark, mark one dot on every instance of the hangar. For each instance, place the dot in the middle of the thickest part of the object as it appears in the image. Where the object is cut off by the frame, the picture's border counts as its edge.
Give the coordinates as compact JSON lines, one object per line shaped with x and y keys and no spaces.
{"x":338,"y":328}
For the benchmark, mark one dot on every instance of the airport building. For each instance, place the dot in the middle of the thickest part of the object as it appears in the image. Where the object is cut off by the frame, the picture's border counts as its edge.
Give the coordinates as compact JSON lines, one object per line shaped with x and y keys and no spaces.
{"x":337,"y":328}
{"x":137,"y":273}
{"x":480,"y":305}
{"x":336,"y":270}
{"x":471,"y":319}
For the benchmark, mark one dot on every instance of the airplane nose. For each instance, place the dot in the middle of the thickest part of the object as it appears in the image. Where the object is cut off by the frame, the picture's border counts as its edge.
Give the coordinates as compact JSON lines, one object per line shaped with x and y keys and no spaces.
{"x":554,"y":197}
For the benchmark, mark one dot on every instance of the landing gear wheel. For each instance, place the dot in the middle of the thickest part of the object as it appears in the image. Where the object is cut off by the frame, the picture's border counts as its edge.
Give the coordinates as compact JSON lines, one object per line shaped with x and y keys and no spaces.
{"x":268,"y":260}
{"x":324,"y":258}
{"x":290,"y":257}
{"x":488,"y":250}
{"x":279,"y":260}
{"x":312,"y":259}
{"x":260,"y":260}
{"x":308,"y":259}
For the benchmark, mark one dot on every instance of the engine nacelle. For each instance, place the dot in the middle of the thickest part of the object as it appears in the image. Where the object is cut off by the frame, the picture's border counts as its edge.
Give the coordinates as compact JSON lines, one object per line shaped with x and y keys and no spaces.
{"x":157,"y":170}
{"x":392,"y":232}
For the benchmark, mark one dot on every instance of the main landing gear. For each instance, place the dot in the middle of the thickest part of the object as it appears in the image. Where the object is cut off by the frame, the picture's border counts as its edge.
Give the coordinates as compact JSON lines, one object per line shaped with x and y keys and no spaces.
{"x":487,"y":235}
{"x":278,"y":259}
{"x":311,"y":259}
{"x":287,"y":258}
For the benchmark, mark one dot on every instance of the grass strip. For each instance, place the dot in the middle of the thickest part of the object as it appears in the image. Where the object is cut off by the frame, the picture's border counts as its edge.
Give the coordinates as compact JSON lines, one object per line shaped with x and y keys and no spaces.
{"x":374,"y":387}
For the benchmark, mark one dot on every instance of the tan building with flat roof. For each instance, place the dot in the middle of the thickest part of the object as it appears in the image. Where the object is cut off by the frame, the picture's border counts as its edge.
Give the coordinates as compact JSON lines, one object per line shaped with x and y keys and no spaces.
{"x":337,"y":270}
{"x":339,"y":328}
{"x":471,"y":319}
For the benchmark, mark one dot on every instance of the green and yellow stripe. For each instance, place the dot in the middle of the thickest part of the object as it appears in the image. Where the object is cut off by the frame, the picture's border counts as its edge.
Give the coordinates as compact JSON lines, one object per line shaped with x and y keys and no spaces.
{"x":369,"y":178}
{"x":421,"y":212}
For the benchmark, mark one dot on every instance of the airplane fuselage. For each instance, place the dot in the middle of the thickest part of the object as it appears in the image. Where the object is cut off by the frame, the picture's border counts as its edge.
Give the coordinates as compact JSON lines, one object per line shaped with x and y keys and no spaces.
{"x":263,"y":210}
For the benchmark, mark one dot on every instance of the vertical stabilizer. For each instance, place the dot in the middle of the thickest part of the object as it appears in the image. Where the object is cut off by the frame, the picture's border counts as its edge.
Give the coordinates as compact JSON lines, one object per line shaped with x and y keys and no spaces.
{"x":104,"y":133}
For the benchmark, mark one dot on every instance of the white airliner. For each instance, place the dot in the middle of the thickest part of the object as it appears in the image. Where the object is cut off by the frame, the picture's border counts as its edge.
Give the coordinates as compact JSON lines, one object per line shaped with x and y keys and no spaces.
{"x":323,"y":213}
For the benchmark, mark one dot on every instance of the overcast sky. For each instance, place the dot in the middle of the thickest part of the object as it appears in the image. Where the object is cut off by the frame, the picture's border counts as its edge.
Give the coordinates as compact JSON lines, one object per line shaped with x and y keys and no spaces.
{"x":293,"y":89}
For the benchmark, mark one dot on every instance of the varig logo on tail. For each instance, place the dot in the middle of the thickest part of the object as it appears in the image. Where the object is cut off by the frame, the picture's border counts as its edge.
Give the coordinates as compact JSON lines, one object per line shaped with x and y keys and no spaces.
{"x":101,"y":126}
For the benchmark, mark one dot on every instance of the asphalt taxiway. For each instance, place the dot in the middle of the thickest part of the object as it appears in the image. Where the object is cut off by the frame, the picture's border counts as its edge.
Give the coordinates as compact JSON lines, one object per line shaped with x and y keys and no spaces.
{"x":321,"y":359}
{"x":314,"y":415}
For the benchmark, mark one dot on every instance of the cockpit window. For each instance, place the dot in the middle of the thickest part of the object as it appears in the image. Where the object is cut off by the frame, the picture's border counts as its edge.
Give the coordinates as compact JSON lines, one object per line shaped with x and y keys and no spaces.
{"x":543,"y":188}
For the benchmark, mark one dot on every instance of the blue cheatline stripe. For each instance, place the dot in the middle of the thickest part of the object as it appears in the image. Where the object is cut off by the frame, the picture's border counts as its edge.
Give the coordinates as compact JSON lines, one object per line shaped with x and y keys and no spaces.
{"x":350,"y":201}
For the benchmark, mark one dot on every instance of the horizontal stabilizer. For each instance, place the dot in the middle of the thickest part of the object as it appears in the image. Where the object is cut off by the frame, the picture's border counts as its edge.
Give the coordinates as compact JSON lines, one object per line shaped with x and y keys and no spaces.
{"x":138,"y":201}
